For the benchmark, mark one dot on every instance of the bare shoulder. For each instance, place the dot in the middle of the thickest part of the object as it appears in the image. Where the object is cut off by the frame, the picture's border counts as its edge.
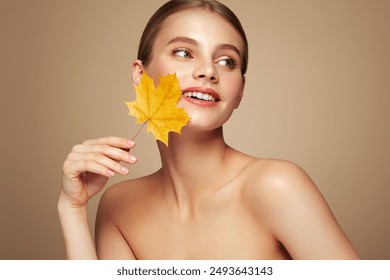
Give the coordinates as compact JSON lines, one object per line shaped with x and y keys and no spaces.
{"x":277,"y":187}
{"x":120,"y":205}
{"x":277,"y":176}
{"x":125,"y":194}
{"x":290,"y":205}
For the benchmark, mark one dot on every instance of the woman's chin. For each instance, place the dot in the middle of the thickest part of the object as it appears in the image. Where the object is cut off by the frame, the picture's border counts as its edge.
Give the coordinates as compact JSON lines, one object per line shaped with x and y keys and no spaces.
{"x":195,"y":125}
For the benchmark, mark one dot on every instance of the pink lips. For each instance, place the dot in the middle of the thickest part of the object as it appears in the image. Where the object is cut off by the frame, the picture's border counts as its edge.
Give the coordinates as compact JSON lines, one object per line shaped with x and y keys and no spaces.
{"x":200,"y":102}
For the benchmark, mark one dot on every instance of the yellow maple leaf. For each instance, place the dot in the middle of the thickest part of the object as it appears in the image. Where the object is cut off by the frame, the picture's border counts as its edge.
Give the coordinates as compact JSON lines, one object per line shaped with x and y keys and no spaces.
{"x":158,"y":107}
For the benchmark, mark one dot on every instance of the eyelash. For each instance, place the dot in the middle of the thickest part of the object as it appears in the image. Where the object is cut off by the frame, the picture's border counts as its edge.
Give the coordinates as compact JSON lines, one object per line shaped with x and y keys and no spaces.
{"x":185,"y":50}
{"x":187,"y":53}
{"x":233,"y":62}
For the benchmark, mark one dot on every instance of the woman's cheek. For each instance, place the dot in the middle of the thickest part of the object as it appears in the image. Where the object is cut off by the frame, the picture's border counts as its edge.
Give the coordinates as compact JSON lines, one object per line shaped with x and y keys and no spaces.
{"x":159,"y":68}
{"x":166,"y":66}
{"x":231,"y":94}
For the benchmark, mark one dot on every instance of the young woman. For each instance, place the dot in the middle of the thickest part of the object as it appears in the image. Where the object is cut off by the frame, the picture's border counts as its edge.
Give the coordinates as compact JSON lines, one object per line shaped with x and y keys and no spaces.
{"x":208,"y":200}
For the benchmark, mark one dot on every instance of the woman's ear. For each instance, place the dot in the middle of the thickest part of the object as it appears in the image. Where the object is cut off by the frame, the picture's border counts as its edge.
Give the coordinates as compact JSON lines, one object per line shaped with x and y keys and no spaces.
{"x":137,"y":70}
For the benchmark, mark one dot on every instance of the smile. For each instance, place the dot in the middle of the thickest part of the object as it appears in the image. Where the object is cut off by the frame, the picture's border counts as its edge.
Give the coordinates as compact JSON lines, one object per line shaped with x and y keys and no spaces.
{"x":200,"y":96}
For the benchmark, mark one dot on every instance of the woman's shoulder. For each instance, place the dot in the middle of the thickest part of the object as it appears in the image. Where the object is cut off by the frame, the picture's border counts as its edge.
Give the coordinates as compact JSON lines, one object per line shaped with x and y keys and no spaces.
{"x":126,"y":193}
{"x":263,"y":174}
{"x":274,"y":172}
{"x":291,"y":207}
{"x":271,"y":182}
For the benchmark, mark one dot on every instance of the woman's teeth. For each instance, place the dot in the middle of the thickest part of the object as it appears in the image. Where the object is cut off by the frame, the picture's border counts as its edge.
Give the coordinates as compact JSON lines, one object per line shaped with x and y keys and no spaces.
{"x":200,"y":95}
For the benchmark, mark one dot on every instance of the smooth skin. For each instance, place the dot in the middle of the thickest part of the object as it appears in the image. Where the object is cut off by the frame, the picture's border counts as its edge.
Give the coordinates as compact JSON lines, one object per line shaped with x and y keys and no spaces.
{"x":208,"y":200}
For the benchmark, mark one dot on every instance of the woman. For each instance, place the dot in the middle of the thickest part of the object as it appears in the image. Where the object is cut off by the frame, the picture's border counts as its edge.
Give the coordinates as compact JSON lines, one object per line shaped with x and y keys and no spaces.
{"x":208,"y":201}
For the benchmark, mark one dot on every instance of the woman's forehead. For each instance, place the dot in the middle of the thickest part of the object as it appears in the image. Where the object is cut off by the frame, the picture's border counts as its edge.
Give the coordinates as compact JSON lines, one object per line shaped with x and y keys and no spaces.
{"x":199,"y":24}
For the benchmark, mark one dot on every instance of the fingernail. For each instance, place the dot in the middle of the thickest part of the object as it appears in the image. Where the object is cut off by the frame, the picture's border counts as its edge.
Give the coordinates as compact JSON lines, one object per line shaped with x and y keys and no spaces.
{"x":110,"y":173}
{"x":124,"y":170}
{"x":131,"y":143}
{"x":132,"y":158}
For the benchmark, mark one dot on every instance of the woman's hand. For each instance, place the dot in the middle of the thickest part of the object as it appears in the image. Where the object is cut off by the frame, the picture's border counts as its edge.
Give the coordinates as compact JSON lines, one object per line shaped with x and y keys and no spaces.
{"x":89,"y":165}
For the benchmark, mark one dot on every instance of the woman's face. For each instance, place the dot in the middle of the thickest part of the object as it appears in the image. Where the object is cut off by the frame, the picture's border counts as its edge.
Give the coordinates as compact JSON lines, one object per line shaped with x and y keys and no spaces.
{"x":205,"y":52}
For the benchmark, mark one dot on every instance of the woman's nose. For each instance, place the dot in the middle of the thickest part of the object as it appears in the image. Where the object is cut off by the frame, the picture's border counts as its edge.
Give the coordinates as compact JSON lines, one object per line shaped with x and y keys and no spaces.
{"x":206,"y":70}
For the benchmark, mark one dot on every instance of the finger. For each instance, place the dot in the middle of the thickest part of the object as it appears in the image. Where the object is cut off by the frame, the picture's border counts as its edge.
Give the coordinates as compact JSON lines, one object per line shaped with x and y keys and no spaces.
{"x":102,"y":160}
{"x":119,"y":142}
{"x":73,"y":169}
{"x":109,"y":163}
{"x":114,"y":153}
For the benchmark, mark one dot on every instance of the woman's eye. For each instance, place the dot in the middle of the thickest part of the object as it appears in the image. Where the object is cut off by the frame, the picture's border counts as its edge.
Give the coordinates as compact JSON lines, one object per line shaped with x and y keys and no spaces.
{"x":228,"y":62}
{"x":182,"y":52}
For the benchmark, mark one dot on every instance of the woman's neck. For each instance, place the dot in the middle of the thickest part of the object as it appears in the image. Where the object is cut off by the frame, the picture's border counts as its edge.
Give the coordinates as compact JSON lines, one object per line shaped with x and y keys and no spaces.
{"x":195,"y":164}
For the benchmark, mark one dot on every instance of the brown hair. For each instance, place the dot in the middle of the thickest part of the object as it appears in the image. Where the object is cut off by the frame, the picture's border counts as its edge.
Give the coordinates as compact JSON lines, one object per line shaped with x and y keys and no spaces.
{"x":155,"y":22}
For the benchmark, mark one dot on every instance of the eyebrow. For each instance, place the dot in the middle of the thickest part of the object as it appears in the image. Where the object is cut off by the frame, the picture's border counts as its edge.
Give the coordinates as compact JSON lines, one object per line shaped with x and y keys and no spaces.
{"x":230,"y":47}
{"x":221,"y":47}
{"x":182,"y":39}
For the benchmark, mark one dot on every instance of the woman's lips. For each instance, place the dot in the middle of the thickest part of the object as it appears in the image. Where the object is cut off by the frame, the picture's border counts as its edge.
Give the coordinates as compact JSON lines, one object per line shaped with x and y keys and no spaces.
{"x":201,"y":96}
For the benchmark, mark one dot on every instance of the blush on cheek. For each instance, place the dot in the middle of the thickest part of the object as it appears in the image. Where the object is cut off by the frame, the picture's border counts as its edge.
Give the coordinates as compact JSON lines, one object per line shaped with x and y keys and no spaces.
{"x":236,"y":87}
{"x":183,"y":71}
{"x":154,"y":70}
{"x":162,"y":69}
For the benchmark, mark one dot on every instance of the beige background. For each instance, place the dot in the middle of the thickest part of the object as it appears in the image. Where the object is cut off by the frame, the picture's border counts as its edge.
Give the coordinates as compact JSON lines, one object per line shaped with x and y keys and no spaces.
{"x":318,"y":94}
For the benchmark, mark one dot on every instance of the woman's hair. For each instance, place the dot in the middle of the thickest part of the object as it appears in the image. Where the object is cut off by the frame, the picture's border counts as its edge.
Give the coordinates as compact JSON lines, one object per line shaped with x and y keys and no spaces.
{"x":173,"y":6}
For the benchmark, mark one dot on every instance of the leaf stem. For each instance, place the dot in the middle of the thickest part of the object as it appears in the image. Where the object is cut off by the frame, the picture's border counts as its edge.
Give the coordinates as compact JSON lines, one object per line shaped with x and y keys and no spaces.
{"x":140,"y":129}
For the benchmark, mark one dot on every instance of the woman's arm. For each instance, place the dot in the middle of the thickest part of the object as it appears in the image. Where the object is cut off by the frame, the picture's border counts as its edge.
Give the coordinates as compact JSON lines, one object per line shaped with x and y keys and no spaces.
{"x":78,"y":239}
{"x":85,"y":172}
